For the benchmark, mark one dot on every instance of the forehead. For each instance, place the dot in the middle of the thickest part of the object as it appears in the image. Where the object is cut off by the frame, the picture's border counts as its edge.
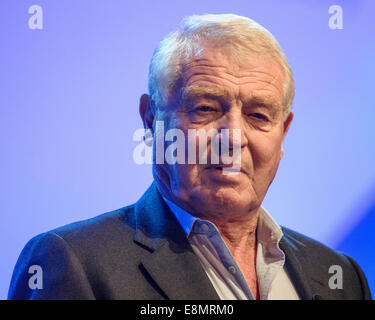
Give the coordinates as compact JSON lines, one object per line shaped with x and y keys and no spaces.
{"x":218,"y":73}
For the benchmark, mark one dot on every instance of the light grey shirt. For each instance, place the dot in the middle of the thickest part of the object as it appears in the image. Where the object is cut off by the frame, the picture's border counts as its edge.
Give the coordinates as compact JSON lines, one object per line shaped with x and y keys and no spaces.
{"x":226,"y":277}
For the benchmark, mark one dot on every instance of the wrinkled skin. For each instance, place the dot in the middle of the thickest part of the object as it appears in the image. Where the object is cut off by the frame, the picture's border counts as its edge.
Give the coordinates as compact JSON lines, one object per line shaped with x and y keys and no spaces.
{"x":222,"y":94}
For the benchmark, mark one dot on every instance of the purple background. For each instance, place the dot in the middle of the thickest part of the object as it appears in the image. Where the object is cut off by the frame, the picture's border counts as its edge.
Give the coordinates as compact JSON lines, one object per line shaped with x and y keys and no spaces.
{"x":69,"y":106}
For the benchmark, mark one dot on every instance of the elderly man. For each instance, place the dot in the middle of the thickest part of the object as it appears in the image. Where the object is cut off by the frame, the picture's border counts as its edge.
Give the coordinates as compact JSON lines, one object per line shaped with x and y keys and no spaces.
{"x":200,"y":232}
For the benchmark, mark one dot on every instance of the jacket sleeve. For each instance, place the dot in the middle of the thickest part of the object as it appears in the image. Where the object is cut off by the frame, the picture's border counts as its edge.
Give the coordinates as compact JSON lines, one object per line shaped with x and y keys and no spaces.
{"x":48,"y":269}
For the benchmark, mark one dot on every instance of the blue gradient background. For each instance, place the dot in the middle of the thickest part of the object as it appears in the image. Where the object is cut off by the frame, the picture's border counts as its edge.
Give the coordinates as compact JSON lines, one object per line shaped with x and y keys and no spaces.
{"x":69,"y":106}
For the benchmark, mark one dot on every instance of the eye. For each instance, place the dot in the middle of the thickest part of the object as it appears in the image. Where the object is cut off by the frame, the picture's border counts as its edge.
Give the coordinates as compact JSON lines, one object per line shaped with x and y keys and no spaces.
{"x":204,"y":113}
{"x":205,"y":109}
{"x":259,"y":116}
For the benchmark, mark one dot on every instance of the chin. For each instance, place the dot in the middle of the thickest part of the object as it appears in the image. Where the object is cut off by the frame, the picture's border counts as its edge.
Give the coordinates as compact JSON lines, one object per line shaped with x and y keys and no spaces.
{"x":224,"y":199}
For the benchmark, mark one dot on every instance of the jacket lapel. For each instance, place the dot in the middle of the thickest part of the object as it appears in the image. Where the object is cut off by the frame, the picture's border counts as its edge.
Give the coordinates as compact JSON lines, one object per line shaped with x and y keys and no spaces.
{"x":172,"y":264}
{"x":296,"y":263}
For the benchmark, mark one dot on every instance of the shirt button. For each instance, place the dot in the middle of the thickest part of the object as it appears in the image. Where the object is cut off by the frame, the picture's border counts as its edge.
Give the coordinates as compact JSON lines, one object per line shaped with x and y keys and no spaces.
{"x":205,"y":228}
{"x":232,"y":269}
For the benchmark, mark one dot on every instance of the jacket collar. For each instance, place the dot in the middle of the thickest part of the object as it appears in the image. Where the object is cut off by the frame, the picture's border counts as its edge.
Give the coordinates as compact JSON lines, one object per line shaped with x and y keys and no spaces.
{"x":309,"y":277}
{"x":172,"y":264}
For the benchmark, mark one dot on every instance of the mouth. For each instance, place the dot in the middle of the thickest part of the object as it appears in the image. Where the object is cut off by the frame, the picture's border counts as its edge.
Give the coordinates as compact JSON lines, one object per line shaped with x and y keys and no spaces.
{"x":218,"y":166}
{"x":228,"y":169}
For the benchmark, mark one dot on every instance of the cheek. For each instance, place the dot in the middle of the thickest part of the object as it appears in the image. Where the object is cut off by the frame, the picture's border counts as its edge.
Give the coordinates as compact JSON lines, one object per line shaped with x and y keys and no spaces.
{"x":265,"y":150}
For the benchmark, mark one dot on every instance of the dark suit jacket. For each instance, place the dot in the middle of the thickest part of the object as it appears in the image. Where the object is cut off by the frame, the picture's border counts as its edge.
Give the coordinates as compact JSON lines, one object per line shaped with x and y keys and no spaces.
{"x":141,"y":252}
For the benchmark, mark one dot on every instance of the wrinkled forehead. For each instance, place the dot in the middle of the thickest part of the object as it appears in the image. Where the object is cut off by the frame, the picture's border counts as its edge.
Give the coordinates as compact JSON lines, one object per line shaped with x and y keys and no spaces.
{"x":213,"y":63}
{"x":232,"y":58}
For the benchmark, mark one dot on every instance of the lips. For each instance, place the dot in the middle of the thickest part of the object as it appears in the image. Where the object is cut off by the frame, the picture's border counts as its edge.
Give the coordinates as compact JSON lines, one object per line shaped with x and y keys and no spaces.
{"x":222,"y":168}
{"x":225,"y":169}
{"x":219,"y":166}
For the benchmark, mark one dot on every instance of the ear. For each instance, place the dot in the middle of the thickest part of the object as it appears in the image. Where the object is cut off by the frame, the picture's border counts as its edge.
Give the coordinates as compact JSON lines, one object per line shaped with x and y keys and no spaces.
{"x":287,"y":123}
{"x":147,"y":113}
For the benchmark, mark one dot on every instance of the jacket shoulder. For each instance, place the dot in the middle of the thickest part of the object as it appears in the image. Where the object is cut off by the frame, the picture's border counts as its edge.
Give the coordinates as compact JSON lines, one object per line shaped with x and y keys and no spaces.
{"x":320,"y":262}
{"x":109,"y":223}
{"x":313,"y":251}
{"x":73,"y":257}
{"x":303,"y":242}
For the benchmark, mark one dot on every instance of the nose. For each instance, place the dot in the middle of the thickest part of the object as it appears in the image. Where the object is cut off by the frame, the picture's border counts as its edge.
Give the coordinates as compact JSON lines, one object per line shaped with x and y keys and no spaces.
{"x":231,"y":129}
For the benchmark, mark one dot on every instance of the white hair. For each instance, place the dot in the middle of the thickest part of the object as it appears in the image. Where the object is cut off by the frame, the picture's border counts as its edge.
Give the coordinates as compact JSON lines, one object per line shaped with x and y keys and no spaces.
{"x":241,"y":35}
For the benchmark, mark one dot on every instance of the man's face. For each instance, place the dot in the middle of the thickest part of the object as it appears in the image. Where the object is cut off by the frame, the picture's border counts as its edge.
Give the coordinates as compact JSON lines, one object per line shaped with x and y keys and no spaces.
{"x":218,"y":93}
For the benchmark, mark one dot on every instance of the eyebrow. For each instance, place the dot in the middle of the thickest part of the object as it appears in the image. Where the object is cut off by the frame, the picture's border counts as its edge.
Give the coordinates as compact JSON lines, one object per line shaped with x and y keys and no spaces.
{"x":266,"y":102}
{"x":189,"y":93}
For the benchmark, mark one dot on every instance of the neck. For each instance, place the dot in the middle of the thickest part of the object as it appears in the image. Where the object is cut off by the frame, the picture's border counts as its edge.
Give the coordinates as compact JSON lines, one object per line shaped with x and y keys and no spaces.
{"x":239,"y":233}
